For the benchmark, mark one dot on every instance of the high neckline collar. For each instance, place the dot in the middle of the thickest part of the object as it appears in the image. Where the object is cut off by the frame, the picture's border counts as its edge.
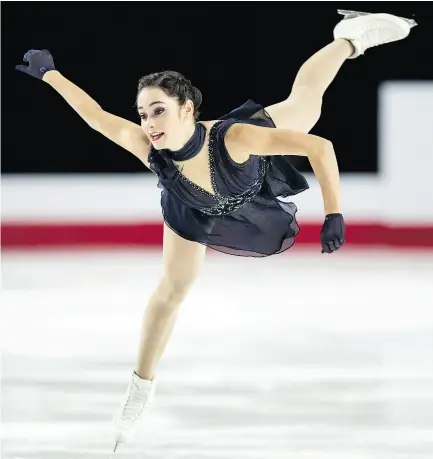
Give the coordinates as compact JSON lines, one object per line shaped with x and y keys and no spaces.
{"x":191,"y":148}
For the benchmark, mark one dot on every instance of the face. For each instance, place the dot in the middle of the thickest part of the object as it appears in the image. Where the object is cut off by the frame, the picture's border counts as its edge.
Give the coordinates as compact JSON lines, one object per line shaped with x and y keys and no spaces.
{"x":165,"y":123}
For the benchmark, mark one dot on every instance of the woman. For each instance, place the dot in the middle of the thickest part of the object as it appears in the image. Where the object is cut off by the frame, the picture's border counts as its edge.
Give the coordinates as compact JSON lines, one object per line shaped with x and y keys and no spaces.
{"x":222,"y":180}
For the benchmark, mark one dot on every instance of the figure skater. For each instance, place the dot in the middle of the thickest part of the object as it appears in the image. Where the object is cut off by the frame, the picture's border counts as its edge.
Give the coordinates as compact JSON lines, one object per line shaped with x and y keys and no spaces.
{"x":223,"y":181}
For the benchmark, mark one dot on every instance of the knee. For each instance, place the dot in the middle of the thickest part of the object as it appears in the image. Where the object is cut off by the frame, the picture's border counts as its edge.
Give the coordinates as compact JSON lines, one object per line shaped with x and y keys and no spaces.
{"x":305,"y":108}
{"x":316,"y":112}
{"x":172,"y":291}
{"x":312,"y":102}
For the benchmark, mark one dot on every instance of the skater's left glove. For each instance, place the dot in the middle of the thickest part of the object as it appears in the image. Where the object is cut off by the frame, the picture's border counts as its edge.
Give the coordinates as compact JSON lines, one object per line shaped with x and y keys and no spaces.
{"x":332,"y":234}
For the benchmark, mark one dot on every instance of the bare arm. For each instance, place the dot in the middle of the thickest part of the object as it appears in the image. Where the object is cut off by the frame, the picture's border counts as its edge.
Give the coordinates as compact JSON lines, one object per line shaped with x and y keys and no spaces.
{"x":242,"y":140}
{"x":123,"y":132}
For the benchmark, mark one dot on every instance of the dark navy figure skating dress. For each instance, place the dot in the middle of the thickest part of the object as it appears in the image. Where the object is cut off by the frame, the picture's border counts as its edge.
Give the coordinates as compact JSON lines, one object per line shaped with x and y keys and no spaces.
{"x":245,"y":216}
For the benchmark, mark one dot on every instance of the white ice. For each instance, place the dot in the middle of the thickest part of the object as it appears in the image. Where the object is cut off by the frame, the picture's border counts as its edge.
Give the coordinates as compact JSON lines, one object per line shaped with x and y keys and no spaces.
{"x":298,"y":356}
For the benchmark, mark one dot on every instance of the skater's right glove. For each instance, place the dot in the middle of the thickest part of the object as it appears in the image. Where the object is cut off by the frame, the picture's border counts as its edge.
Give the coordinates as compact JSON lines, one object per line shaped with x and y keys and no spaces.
{"x":40,"y":62}
{"x":332,"y":234}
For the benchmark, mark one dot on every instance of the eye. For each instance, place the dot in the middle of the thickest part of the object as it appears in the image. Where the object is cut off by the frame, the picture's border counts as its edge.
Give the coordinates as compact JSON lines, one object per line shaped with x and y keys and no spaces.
{"x":157,"y":112}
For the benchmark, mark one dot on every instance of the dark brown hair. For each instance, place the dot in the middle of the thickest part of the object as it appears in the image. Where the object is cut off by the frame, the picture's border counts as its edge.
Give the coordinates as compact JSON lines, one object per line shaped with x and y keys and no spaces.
{"x":174,"y":84}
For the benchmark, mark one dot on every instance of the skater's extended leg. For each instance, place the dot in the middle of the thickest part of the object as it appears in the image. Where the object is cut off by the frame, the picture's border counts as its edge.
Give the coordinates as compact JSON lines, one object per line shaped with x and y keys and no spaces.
{"x":302,"y":109}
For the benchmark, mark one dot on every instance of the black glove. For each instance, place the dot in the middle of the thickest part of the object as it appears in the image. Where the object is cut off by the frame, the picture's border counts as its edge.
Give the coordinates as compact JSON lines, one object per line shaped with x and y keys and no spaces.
{"x":332,"y":234}
{"x":39,"y":61}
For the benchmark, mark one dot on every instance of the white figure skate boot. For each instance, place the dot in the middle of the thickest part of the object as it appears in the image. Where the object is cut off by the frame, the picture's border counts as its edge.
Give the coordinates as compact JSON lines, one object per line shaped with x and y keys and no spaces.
{"x":366,"y":30}
{"x":138,"y":397}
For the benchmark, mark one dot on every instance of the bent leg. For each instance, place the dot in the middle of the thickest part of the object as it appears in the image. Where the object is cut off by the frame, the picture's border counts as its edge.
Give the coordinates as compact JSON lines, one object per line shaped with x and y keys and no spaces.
{"x":302,"y":109}
{"x":182,"y":262}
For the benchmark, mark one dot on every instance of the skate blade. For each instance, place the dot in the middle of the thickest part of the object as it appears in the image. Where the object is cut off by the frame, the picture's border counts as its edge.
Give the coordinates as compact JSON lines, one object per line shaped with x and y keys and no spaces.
{"x":348,"y":14}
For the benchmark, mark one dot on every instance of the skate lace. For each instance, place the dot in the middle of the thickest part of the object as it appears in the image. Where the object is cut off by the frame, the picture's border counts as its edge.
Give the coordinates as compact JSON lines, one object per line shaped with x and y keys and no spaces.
{"x":133,"y":405}
{"x":375,"y":34}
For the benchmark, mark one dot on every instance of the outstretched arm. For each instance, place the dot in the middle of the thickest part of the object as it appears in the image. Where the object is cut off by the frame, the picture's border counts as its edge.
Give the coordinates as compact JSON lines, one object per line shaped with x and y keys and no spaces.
{"x":123,"y":132}
{"x":243,"y":139}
